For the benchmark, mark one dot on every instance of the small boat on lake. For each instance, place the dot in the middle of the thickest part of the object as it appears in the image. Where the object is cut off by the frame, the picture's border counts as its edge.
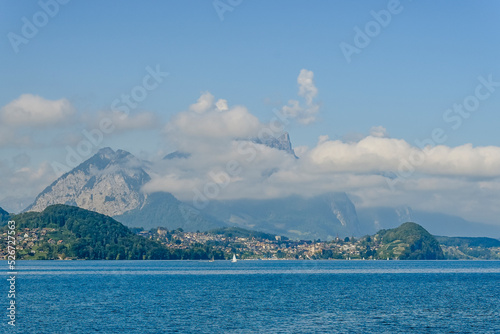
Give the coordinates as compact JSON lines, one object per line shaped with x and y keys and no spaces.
{"x":234,"y":258}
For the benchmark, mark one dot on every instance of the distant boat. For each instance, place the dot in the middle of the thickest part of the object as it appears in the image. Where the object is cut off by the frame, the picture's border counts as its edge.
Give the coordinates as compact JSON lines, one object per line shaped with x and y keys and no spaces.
{"x":212,"y":260}
{"x":234,"y":258}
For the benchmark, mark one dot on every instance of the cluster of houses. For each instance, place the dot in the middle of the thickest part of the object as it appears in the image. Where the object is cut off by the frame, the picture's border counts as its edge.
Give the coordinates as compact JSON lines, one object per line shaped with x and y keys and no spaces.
{"x":243,"y":247}
{"x":260,"y":247}
{"x":27,"y":238}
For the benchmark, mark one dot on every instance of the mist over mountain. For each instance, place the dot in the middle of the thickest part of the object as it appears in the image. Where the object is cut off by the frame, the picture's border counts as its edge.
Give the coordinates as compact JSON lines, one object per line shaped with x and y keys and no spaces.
{"x":373,"y":219}
{"x":321,"y":217}
{"x":176,"y":155}
{"x":282,"y":143}
{"x":16,"y":204}
{"x":163,"y":209}
{"x":112,"y":183}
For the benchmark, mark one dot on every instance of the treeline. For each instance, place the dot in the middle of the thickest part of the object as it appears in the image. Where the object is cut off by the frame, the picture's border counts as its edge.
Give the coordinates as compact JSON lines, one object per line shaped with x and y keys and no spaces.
{"x":79,"y":250}
{"x":468,"y":242}
{"x":89,"y":235}
{"x":4,"y":216}
{"x":238,"y":232}
{"x":470,"y":248}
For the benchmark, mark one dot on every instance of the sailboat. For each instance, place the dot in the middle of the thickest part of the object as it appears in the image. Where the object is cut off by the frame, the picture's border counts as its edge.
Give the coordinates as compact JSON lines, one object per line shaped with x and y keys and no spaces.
{"x":234,"y":258}
{"x":212,"y":260}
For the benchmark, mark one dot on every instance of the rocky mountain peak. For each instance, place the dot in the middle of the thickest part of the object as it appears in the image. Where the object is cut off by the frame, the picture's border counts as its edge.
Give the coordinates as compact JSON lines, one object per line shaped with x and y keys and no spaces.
{"x":282,"y":143}
{"x":176,"y":155}
{"x":109,"y":183}
{"x":107,"y":157}
{"x":106,"y":152}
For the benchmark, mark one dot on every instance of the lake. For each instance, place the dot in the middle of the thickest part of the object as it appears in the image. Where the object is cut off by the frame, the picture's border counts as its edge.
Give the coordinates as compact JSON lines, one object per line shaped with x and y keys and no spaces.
{"x":255,"y":297}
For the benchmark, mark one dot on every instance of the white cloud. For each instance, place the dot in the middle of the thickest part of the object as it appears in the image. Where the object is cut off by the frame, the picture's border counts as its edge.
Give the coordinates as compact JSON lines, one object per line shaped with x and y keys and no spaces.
{"x":204,"y":103}
{"x":307,"y":112}
{"x":442,"y":176}
{"x":307,"y":89}
{"x":30,"y":120}
{"x":370,"y":154}
{"x":462,"y":180}
{"x":375,"y":154}
{"x":221,"y":105}
{"x":35,"y":111}
{"x":379,"y":131}
{"x":243,"y":164}
{"x":234,"y":122}
{"x":206,"y":123}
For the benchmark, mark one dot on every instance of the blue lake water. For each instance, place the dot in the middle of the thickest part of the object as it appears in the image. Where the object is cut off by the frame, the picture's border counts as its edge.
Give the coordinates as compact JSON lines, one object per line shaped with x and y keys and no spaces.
{"x":255,"y":297}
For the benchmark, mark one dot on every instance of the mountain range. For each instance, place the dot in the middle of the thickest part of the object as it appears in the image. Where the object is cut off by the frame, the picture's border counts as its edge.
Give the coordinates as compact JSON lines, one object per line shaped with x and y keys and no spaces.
{"x":68,"y":232}
{"x":111,"y":183}
{"x":321,"y":217}
{"x":374,"y":219}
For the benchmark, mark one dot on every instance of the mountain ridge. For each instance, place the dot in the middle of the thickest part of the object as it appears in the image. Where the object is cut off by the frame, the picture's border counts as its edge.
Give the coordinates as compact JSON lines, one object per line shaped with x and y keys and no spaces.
{"x":4,"y":215}
{"x":321,"y":217}
{"x":110,"y":183}
{"x":373,"y":219}
{"x":68,"y":232}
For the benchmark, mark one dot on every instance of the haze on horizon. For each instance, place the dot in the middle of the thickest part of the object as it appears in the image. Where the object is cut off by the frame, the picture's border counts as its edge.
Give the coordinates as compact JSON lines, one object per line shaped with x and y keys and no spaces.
{"x":405,"y":114}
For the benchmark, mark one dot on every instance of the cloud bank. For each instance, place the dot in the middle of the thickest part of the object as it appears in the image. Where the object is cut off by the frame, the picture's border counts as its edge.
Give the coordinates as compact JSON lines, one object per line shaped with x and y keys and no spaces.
{"x":225,"y":163}
{"x":35,"y":111}
{"x":375,"y":169}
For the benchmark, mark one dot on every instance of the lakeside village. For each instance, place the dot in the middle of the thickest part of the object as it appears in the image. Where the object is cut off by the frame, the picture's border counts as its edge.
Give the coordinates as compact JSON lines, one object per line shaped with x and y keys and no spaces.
{"x":261,"y":245}
{"x":225,"y":243}
{"x":221,"y":245}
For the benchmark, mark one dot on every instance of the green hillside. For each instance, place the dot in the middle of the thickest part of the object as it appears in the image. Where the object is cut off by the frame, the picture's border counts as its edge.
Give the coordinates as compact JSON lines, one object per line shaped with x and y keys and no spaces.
{"x":62,"y":231}
{"x":4,"y":216}
{"x":470,"y":248}
{"x":469,"y":241}
{"x":409,"y":241}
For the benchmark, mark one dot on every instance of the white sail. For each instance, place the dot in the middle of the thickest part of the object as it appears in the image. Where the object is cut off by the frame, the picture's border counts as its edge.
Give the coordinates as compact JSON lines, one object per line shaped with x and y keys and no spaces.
{"x":234,"y":258}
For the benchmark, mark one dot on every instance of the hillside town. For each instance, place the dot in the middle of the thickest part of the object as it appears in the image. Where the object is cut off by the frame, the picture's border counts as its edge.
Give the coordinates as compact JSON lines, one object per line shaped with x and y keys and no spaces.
{"x":248,"y":246}
{"x":32,"y":240}
{"x":37,"y":241}
{"x":224,"y":243}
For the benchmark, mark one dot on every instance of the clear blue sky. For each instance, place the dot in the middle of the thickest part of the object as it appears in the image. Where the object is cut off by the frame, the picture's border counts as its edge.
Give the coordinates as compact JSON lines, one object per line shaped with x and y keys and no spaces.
{"x":426,"y":59}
